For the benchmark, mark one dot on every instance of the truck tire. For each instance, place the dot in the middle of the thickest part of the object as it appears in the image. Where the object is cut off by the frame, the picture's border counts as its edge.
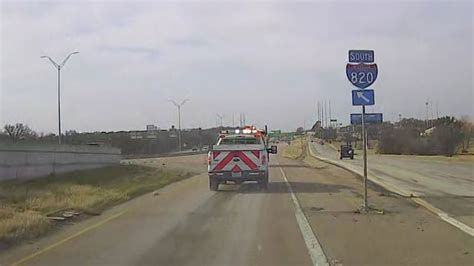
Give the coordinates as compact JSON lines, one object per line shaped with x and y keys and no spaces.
{"x":213,"y":184}
{"x":264,"y":183}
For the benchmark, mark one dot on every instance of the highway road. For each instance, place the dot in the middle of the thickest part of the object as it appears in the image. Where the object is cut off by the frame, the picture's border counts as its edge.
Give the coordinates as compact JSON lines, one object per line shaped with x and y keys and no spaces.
{"x":447,"y":183}
{"x":186,"y":224}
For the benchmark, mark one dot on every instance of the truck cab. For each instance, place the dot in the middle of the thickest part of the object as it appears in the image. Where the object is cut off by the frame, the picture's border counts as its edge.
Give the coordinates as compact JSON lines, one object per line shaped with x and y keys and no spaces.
{"x":239,"y":156}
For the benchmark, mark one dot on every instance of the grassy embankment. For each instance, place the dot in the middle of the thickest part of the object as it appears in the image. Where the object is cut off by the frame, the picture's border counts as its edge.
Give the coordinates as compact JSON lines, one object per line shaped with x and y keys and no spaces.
{"x":296,"y":149}
{"x":26,"y":205}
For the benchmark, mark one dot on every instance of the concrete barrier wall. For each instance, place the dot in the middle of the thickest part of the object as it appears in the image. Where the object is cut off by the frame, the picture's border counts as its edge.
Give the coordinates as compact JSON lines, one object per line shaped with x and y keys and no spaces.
{"x":25,"y":160}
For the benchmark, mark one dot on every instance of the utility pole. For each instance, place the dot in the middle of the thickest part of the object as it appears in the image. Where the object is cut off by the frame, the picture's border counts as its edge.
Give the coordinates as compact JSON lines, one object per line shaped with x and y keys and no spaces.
{"x":326,"y":112}
{"x":330,"y":117}
{"x":427,"y":117}
{"x":319,"y":113}
{"x":432,"y":115}
{"x":59,"y":67}
{"x":179,"y":120}
{"x":322,"y":114}
{"x":220,"y":119}
{"x":437,"y":111}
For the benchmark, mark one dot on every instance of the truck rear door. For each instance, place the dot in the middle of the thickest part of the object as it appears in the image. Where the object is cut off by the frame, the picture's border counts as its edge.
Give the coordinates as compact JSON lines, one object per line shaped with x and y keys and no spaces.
{"x":236,"y":160}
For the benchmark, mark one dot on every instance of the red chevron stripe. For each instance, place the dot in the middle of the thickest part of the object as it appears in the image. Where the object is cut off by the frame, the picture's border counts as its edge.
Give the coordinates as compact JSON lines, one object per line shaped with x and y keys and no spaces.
{"x":257,"y":154}
{"x":236,"y":168}
{"x":246,"y":160}
{"x":224,"y":161}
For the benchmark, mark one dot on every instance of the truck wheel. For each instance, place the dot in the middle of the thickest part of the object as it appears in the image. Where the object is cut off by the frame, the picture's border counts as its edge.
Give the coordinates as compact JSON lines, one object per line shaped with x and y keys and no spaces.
{"x":263,"y":183}
{"x":213,"y":184}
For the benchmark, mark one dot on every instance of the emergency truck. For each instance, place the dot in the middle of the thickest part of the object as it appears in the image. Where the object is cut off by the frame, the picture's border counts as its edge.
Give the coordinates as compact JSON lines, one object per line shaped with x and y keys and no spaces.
{"x":240,"y":155}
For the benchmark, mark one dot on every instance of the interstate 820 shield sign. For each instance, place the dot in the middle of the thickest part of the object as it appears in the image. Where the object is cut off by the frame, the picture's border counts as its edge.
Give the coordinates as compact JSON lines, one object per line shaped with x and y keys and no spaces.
{"x":361,"y":75}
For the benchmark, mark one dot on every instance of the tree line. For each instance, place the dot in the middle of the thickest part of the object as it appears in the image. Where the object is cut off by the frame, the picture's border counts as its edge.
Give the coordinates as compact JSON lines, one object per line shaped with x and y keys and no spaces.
{"x":411,"y":136}
{"x":154,"y":142}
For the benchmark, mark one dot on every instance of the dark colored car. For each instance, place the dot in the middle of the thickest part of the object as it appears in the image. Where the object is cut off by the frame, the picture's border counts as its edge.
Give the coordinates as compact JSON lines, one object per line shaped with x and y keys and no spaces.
{"x":347,"y":151}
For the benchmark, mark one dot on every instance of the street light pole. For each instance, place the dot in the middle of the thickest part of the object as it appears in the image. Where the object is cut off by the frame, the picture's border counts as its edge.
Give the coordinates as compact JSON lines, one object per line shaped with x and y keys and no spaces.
{"x":59,"y":67}
{"x":59,"y":106}
{"x":179,"y":119}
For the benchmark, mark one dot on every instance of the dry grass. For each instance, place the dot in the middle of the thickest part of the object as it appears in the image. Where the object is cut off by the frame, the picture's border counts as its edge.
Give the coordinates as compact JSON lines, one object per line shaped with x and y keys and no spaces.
{"x":15,"y":225}
{"x":24,"y":205}
{"x":295,"y":149}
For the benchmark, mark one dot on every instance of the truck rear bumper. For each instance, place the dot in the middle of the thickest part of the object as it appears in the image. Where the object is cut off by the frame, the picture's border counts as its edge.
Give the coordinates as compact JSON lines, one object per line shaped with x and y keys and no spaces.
{"x":245,"y":176}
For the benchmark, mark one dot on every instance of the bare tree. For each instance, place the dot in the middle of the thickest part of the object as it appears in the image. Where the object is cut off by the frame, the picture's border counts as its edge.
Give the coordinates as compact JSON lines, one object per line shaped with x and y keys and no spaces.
{"x":467,"y":128}
{"x":19,"y":131}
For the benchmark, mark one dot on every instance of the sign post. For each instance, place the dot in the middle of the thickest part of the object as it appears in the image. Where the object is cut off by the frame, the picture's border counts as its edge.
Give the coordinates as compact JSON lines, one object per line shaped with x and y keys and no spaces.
{"x":362,"y":73}
{"x":364,"y":143}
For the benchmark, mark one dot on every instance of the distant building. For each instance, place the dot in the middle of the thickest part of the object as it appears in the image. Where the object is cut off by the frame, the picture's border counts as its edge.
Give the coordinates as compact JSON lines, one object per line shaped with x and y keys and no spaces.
{"x":136,"y":135}
{"x":151,"y":128}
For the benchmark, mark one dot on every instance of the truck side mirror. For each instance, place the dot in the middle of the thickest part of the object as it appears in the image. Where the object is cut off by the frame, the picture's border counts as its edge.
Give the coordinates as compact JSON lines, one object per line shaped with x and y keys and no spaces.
{"x":273,"y":149}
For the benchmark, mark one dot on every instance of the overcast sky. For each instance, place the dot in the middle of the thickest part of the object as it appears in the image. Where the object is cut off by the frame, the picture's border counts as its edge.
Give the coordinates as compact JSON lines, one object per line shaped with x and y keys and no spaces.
{"x":273,"y":61}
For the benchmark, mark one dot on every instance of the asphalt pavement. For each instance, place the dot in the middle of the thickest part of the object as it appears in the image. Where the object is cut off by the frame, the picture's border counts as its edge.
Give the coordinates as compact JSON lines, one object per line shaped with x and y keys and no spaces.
{"x":447,"y":183}
{"x":187,"y":224}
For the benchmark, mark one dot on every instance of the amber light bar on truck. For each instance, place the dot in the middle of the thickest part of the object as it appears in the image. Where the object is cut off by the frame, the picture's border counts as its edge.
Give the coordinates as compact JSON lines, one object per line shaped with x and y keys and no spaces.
{"x":245,"y":130}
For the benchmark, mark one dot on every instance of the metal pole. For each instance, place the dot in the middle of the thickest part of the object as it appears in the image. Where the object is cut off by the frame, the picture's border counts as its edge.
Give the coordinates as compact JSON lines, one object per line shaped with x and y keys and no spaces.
{"x":364,"y":143}
{"x":179,"y":127}
{"x":59,"y":105}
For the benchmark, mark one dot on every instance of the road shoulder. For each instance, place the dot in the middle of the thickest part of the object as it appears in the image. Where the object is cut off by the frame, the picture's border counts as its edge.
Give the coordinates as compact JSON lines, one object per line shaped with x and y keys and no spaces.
{"x":405,"y":234}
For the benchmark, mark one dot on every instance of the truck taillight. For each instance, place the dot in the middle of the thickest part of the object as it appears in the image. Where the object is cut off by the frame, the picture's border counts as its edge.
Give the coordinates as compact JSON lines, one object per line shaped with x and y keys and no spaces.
{"x":264,"y":159}
{"x":209,"y":158}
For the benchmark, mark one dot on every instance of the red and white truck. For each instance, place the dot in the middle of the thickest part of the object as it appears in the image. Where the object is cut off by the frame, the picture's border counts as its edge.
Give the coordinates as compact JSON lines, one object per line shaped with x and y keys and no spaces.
{"x":240,"y":155}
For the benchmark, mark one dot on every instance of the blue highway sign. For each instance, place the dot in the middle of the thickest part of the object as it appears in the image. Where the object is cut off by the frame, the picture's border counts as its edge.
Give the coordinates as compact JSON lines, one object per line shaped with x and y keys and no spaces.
{"x":361,"y":56}
{"x":363,"y":97}
{"x":370,"y":118}
{"x":361,"y":75}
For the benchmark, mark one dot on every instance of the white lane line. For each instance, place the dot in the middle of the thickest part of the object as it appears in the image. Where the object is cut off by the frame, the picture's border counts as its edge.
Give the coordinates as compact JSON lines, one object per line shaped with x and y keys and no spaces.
{"x":314,"y":248}
{"x":444,"y":216}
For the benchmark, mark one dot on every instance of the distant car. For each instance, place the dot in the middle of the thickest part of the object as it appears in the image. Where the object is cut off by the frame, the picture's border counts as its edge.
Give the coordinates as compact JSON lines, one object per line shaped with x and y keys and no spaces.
{"x":205,"y":148}
{"x":194,"y":148}
{"x":347,"y":152}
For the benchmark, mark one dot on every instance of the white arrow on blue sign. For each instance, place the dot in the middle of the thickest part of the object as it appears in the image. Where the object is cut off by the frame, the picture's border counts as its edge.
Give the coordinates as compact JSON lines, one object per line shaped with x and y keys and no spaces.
{"x":363,"y":97}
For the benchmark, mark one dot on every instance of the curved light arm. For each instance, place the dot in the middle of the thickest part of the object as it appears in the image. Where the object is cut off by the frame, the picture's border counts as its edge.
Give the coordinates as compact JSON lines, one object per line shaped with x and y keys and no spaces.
{"x":184,"y":101}
{"x":67,"y":58}
{"x":51,"y":60}
{"x":178,"y":105}
{"x":173,"y":102}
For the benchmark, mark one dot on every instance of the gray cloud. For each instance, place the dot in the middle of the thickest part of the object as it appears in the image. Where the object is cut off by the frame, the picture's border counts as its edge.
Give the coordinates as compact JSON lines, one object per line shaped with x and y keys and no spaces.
{"x":273,"y":61}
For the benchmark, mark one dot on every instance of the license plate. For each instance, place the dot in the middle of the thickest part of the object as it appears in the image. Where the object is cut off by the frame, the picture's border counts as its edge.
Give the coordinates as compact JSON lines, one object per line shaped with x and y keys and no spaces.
{"x":236,"y":174}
